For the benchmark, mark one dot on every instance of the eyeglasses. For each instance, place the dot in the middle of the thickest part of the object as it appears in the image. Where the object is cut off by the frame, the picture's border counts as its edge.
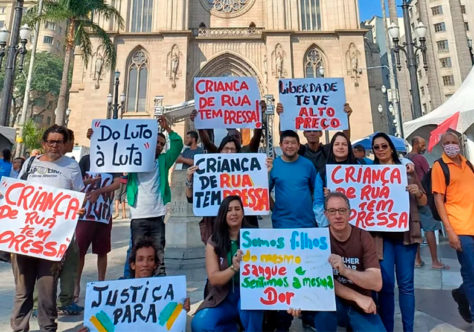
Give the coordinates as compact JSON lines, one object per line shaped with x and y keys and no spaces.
{"x":340,"y":211}
{"x":380,"y":147}
{"x":54,"y":142}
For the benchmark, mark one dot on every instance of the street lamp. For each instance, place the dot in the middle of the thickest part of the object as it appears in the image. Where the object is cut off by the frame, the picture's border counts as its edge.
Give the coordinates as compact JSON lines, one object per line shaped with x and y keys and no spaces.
{"x":115,"y":106}
{"x":469,"y":45}
{"x":410,"y":47}
{"x":13,"y":50}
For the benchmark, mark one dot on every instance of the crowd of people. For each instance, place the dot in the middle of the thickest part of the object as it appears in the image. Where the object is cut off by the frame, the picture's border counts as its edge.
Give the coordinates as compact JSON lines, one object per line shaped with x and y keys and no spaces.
{"x":365,"y":298}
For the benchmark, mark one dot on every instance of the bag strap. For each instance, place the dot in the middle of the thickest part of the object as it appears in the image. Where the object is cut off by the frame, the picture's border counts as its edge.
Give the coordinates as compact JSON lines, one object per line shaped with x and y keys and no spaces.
{"x":470,"y":165}
{"x":28,"y":168}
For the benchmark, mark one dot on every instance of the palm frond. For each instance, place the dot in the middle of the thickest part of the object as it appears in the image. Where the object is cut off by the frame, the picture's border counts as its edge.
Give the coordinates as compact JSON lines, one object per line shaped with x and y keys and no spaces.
{"x":109,"y":47}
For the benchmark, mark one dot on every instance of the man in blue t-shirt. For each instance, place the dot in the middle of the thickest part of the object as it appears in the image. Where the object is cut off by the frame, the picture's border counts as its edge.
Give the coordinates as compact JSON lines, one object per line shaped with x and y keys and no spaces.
{"x":5,"y":164}
{"x":293,"y":178}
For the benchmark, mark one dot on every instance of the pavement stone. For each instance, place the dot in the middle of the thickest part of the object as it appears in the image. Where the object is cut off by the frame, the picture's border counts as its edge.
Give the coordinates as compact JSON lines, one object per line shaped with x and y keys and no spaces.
{"x":435,"y":308}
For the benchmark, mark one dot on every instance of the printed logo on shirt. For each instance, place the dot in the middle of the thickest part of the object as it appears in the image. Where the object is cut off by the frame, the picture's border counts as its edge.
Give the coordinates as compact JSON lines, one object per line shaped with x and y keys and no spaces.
{"x":350,"y":263}
{"x":40,"y":170}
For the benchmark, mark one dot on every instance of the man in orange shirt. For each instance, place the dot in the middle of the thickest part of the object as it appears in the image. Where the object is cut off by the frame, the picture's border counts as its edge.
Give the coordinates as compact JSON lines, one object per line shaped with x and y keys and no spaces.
{"x":455,"y":203}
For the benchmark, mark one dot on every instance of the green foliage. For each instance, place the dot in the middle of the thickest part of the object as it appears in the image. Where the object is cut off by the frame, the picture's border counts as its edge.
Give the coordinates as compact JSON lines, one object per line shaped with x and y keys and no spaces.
{"x":46,"y":77}
{"x":79,"y":14}
{"x":32,"y":135}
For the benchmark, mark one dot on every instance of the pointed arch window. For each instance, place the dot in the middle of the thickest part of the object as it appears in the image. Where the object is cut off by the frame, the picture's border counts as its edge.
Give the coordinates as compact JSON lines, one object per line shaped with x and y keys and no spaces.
{"x":137,"y":82}
{"x":142,"y":14}
{"x":313,"y":64}
{"x":310,"y":14}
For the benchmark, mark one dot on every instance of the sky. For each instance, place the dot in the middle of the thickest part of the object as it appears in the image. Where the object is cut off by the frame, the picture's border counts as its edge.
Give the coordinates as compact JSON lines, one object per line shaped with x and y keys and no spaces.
{"x":370,"y":8}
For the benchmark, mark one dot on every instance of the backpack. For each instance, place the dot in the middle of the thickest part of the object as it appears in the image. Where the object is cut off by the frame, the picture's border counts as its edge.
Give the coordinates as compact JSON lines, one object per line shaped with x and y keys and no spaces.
{"x":427,"y":185}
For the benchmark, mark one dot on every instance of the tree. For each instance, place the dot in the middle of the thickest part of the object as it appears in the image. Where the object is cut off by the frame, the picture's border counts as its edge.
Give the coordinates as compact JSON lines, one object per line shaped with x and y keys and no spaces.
{"x":47,"y":74}
{"x":32,"y":135}
{"x":80,"y":28}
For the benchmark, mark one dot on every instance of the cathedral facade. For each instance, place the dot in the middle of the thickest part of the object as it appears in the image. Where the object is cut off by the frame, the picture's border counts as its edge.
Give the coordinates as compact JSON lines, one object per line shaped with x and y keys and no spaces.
{"x":164,"y":44}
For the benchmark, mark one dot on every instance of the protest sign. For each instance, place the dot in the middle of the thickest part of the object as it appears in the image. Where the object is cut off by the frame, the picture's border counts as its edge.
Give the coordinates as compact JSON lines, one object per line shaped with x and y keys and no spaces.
{"x":141,"y":304}
{"x":101,"y":210}
{"x":377,"y":193}
{"x":286,"y":268}
{"x":222,"y":175}
{"x":227,"y":102}
{"x":313,"y":104}
{"x":123,"y":145}
{"x":37,"y":220}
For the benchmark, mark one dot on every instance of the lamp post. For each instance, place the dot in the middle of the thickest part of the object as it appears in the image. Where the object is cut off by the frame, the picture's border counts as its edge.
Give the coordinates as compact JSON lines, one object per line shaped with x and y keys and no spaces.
{"x":13,"y":50}
{"x":469,"y":44}
{"x":410,"y":47}
{"x":115,"y":106}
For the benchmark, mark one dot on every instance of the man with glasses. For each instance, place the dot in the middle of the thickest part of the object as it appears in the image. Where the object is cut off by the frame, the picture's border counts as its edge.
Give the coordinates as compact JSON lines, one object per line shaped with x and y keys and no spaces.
{"x":149,"y":192}
{"x":53,"y":169}
{"x":356,"y":272}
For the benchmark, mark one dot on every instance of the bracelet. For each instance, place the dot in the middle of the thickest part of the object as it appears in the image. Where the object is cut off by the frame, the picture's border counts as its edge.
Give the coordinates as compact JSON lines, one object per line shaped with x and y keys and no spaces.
{"x":233,"y":268}
{"x":189,"y":184}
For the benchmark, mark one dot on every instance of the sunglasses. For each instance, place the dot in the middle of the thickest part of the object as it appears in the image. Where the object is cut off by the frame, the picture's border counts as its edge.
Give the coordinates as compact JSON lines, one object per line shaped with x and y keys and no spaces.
{"x":380,"y":147}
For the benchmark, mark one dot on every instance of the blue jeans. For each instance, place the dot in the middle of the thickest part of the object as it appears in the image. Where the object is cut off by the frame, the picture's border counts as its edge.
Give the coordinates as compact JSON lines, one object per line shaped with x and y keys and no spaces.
{"x":225,"y":316}
{"x":400,"y":259}
{"x":466,"y":259}
{"x":346,"y":315}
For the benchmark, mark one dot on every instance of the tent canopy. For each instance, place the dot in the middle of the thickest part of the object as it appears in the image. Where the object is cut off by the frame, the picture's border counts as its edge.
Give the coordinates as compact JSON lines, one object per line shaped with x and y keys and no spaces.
{"x":462,"y":101}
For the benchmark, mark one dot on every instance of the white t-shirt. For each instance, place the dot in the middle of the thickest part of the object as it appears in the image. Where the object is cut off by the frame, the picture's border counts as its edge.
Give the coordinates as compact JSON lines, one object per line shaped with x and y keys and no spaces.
{"x":62,"y":173}
{"x":148,"y":203}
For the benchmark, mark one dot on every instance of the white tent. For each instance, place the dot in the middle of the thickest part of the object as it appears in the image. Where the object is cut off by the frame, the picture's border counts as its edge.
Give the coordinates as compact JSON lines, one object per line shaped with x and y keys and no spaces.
{"x":462,"y":101}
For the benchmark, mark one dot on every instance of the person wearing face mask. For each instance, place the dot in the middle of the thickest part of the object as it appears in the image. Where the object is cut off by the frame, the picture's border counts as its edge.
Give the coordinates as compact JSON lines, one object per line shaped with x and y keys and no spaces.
{"x":428,"y":223}
{"x":454,"y":201}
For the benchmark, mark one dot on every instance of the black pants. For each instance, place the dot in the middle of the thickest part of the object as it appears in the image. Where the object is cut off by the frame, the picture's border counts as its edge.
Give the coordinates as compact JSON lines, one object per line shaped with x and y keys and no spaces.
{"x":155,"y":229}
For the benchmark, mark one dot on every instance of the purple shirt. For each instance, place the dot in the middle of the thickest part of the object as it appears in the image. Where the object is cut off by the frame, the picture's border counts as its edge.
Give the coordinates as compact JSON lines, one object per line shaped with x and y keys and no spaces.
{"x":421,"y":164}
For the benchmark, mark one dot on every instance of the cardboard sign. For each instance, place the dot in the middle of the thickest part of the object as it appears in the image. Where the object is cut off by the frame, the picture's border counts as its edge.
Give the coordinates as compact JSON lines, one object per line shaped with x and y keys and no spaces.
{"x":37,"y":220}
{"x":101,"y":210}
{"x":286,"y":268}
{"x":313,"y":104}
{"x":143,"y":304}
{"x":222,"y":175}
{"x":119,"y":146}
{"x":377,"y":193}
{"x":227,"y":102}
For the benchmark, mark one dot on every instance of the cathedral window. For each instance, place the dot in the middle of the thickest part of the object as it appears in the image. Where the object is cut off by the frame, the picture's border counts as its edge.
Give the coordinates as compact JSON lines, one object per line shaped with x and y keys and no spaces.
{"x":142,"y":14}
{"x":310,"y":14}
{"x":137,"y":82}
{"x":313,"y":63}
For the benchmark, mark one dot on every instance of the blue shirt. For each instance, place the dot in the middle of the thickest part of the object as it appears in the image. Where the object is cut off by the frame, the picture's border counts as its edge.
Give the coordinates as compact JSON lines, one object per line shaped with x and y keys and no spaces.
{"x":5,"y":168}
{"x":294,"y":184}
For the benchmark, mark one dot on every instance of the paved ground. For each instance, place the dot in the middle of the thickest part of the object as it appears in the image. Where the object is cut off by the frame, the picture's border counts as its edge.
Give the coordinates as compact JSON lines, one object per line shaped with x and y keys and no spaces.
{"x":435,"y":309}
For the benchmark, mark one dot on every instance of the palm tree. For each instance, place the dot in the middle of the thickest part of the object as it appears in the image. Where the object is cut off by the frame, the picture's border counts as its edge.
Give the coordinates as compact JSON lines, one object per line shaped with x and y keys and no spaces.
{"x":80,"y":28}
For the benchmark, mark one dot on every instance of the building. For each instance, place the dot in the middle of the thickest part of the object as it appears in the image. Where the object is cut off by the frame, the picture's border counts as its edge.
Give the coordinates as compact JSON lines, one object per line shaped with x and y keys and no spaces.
{"x":378,"y":71}
{"x":448,"y":56}
{"x":165,"y":44}
{"x":51,"y":35}
{"x":51,"y":40}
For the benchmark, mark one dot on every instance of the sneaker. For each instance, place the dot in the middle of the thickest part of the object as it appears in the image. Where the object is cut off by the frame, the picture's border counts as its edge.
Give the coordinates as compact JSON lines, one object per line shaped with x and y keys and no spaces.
{"x":463,"y":305}
{"x":70,"y":310}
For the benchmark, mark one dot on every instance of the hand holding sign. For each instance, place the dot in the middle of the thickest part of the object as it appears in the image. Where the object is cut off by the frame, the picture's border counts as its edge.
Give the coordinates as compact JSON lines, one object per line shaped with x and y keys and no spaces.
{"x":123,"y":145}
{"x":313,"y":104}
{"x":227,"y":102}
{"x":373,"y":191}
